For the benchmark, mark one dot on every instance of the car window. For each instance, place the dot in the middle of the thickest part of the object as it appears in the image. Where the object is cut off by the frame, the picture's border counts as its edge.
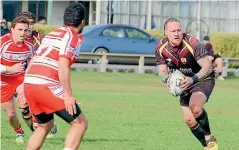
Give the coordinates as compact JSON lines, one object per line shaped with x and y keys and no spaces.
{"x":87,"y":29}
{"x":114,"y":32}
{"x":136,"y":34}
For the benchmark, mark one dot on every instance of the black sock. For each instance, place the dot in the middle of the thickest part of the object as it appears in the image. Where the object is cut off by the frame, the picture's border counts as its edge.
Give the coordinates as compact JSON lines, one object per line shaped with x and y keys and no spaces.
{"x":28,"y":119}
{"x":29,"y":122}
{"x":198,"y":132}
{"x":202,"y":119}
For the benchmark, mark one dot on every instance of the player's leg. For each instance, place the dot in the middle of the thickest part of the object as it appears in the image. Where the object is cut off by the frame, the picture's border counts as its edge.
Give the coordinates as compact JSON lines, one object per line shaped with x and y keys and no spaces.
{"x":26,"y":114}
{"x":45,"y":120}
{"x":197,"y":100}
{"x":23,"y":106}
{"x":199,"y":97}
{"x":52,"y":132}
{"x":10,"y":111}
{"x":194,"y":126}
{"x":78,"y":124}
{"x":8,"y":105}
{"x":53,"y":103}
{"x":190,"y":120}
{"x":37,"y":138}
{"x":75,"y":134}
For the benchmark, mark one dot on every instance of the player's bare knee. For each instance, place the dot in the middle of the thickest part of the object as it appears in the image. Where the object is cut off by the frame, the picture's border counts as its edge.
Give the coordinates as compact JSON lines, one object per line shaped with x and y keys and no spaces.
{"x":197,"y":110}
{"x":47,"y":126}
{"x":11,"y":115}
{"x":81,"y":121}
{"x":190,"y":121}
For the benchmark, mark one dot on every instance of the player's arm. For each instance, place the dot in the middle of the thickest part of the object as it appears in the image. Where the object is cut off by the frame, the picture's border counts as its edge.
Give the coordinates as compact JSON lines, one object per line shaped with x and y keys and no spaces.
{"x":203,"y":59}
{"x":162,"y":66}
{"x":19,"y":67}
{"x":66,"y":53}
{"x":206,"y":64}
{"x":64,"y":75}
{"x":3,"y":68}
{"x":163,"y":72}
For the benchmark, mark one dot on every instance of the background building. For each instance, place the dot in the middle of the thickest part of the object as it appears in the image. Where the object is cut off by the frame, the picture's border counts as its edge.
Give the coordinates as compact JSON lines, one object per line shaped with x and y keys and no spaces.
{"x":197,"y":17}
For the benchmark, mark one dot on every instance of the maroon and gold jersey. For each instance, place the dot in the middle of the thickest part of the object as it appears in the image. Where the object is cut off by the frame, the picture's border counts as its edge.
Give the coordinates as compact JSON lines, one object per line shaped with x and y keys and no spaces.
{"x":183,"y":57}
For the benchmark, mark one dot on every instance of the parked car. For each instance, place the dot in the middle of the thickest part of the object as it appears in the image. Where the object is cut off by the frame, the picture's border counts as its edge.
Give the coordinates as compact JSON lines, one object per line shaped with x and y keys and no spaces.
{"x":115,"y":38}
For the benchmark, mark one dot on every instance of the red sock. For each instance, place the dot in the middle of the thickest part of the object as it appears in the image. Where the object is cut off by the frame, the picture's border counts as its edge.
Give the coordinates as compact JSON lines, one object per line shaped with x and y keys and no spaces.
{"x":19,"y":130}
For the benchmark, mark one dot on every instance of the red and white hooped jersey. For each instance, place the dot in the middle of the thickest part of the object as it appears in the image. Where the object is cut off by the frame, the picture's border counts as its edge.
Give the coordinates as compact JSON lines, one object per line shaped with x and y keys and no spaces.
{"x":12,"y":54}
{"x":62,"y":42}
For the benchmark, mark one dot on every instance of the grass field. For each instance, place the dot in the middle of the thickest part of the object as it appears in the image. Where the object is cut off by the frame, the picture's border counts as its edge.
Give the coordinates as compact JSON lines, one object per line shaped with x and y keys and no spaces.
{"x":136,"y":112}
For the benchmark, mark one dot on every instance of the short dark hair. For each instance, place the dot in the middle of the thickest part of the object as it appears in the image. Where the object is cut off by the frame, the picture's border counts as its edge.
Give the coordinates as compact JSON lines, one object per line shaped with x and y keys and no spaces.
{"x":170,"y":20}
{"x":74,"y":14}
{"x":19,"y":19}
{"x":41,"y":18}
{"x":28,"y":15}
{"x":206,"y":38}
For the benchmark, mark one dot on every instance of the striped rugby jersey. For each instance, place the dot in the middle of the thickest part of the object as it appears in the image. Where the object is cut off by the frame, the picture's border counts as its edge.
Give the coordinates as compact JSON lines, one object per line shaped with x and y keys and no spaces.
{"x":62,"y":42}
{"x":12,"y":54}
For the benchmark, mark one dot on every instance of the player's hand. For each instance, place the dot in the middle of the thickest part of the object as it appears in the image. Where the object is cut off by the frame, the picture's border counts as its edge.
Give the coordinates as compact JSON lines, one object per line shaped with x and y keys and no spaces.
{"x":19,"y":67}
{"x":216,"y":69}
{"x":186,"y":83}
{"x":70,"y":104}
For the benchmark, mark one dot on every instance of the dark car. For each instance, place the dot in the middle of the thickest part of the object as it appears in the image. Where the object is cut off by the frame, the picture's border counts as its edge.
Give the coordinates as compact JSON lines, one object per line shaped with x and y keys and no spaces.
{"x":113,"y":38}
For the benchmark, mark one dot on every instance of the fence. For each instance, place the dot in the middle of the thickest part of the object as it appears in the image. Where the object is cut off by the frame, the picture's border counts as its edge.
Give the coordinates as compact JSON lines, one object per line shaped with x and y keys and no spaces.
{"x":104,"y":58}
{"x":141,"y":59}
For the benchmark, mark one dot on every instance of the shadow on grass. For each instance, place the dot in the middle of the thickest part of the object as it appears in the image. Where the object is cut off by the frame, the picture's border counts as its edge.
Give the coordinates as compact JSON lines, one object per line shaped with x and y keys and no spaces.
{"x":57,"y":140}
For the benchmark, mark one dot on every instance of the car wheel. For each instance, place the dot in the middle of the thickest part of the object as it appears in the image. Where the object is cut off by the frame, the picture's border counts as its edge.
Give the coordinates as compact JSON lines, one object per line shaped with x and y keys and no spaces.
{"x":99,"y":51}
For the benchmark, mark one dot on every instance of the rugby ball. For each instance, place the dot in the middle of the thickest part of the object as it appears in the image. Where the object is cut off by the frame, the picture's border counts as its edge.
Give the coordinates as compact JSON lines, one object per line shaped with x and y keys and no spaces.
{"x":174,"y":82}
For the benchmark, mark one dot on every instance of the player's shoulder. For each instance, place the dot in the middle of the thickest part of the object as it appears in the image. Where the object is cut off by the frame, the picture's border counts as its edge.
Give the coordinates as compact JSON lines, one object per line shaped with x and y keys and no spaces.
{"x":191,"y":40}
{"x":73,"y":36}
{"x":61,"y":33}
{"x":5,"y":38}
{"x":162,"y":43}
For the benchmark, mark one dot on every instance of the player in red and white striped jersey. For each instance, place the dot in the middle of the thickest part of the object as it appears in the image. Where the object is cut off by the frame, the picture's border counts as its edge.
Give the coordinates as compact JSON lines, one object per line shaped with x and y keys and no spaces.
{"x":33,"y":36}
{"x":47,"y":81}
{"x":35,"y":39}
{"x":14,"y":52}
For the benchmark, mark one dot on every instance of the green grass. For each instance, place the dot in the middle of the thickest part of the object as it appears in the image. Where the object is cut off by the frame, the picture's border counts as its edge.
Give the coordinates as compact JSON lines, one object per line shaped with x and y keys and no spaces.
{"x":136,"y":112}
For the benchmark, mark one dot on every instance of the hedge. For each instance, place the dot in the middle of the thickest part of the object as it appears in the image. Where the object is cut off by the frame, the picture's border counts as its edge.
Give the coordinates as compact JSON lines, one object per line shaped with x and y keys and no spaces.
{"x":226,"y":42}
{"x":156,"y":33}
{"x":45,"y":29}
